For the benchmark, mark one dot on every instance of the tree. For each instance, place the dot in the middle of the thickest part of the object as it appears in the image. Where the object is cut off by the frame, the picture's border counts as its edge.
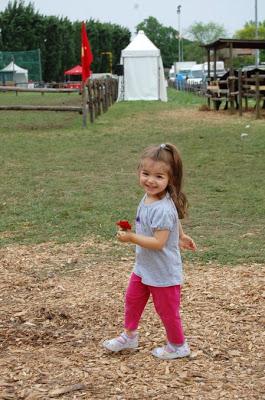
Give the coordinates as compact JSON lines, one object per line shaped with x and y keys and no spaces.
{"x":59,"y":39}
{"x":193,"y":51}
{"x":53,"y":51}
{"x":165,"y":38}
{"x":106,"y":38}
{"x":19,"y":27}
{"x":206,"y":33}
{"x":201,"y":34}
{"x":249,"y":32}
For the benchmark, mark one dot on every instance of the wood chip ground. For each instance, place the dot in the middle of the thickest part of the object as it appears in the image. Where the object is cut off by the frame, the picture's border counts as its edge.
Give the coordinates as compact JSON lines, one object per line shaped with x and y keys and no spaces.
{"x":58,"y":303}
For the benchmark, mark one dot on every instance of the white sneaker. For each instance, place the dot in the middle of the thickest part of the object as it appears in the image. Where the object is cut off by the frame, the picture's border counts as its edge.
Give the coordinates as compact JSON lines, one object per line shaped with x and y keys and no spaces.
{"x":121,"y":343}
{"x":169,"y":353}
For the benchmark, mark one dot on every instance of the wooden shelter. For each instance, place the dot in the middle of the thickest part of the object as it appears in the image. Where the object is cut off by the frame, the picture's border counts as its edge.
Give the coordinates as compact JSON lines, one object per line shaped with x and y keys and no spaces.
{"x":231,"y":44}
{"x":238,"y":84}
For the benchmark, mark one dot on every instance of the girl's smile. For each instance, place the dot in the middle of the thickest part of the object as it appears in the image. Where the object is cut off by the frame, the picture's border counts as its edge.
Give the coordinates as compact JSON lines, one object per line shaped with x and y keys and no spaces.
{"x":154,"y":178}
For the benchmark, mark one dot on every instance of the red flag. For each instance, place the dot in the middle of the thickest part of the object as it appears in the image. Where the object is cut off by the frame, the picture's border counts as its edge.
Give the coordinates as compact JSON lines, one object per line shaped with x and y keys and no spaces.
{"x":86,"y":54}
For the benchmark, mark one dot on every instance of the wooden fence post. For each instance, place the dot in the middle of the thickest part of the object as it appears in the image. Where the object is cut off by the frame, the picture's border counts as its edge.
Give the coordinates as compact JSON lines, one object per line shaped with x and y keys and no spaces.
{"x":240,"y":91}
{"x":101,"y":93}
{"x":231,"y":91}
{"x":257,"y":95}
{"x":91,"y":102}
{"x":245,"y":80}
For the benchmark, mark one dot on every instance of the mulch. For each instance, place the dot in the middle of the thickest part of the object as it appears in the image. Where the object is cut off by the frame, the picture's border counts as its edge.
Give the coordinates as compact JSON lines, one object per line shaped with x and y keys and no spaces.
{"x":59,"y":302}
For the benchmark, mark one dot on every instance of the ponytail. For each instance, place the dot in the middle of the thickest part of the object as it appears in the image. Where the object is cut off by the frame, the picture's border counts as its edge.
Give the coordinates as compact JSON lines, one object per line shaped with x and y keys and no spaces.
{"x":175,"y":182}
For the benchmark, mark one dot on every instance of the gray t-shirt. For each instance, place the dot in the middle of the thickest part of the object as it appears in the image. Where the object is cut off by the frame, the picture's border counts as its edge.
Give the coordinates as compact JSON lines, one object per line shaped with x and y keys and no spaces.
{"x":159,"y":267}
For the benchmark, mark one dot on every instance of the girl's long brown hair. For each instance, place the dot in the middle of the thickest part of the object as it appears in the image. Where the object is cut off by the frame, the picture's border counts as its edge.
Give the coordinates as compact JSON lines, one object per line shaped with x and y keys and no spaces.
{"x":169,"y":154}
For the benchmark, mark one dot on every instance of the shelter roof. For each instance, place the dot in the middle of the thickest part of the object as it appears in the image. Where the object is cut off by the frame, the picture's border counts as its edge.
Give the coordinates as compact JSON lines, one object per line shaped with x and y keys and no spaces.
{"x":141,"y":45}
{"x":236,"y":44}
{"x":12,"y":67}
{"x":77,"y":70}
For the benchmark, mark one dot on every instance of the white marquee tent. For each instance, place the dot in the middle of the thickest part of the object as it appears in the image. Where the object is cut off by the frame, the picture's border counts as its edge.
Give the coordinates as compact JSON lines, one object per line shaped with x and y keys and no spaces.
{"x":19,"y":75}
{"x":143,"y":72}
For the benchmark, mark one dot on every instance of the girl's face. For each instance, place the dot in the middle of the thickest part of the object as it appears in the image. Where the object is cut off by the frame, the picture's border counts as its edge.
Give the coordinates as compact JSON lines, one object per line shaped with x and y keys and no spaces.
{"x":154,"y":178}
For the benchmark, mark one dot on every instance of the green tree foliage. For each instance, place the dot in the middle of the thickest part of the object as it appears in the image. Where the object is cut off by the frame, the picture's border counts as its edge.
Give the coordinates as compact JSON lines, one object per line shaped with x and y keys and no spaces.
{"x":194,"y":52}
{"x":165,"y":38}
{"x":249,"y":32}
{"x":206,"y":33}
{"x":201,"y":34}
{"x":20,"y":25}
{"x":106,"y":38}
{"x":59,"y":39}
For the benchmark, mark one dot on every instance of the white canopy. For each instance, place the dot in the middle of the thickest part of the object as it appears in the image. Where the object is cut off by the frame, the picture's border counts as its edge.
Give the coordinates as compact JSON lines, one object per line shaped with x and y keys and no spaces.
{"x":143,"y":70}
{"x":20,"y":75}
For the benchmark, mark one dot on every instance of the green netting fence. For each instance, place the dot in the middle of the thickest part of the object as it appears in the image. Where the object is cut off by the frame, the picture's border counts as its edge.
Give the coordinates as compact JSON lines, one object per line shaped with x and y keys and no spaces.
{"x":31,"y":60}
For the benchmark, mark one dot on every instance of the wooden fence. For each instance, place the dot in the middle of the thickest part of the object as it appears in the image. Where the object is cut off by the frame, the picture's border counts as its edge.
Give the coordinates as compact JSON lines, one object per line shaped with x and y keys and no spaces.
{"x":97,"y":96}
{"x":235,"y":90}
{"x":196,"y":88}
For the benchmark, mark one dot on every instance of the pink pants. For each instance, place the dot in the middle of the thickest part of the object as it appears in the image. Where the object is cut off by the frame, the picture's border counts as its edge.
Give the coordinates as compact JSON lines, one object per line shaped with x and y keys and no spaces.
{"x":166,"y":301}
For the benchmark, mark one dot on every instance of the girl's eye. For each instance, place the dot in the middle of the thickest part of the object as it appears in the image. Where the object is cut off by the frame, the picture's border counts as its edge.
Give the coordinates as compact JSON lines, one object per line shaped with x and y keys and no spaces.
{"x":145,"y":173}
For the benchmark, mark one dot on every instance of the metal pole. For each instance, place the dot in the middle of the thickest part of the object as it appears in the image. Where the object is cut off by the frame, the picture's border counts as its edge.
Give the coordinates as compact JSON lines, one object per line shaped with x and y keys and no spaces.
{"x":84,"y":104}
{"x":256,"y":32}
{"x":182,"y":52}
{"x":40,"y":68}
{"x":179,"y":41}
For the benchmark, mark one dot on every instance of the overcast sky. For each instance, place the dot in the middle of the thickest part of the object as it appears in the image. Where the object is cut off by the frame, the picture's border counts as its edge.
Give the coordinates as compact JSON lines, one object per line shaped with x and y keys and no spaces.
{"x":232,"y":14}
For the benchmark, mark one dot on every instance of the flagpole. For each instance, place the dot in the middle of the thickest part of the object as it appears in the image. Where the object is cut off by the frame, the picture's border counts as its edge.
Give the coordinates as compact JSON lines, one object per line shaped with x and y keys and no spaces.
{"x":84,"y":101}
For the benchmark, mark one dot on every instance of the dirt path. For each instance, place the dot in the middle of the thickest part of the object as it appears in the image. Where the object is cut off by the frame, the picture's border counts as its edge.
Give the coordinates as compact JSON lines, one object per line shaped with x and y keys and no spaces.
{"x":58,"y":303}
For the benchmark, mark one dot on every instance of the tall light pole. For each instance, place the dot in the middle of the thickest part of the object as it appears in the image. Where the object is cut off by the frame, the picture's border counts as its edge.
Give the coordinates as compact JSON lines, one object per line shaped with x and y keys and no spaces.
{"x":256,"y":32}
{"x":179,"y":42}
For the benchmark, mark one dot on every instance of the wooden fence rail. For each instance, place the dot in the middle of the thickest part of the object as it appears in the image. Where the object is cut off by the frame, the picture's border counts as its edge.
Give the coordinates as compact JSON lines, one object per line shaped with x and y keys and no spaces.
{"x":36,"y":90}
{"x":97,"y":96}
{"x":40,"y":108}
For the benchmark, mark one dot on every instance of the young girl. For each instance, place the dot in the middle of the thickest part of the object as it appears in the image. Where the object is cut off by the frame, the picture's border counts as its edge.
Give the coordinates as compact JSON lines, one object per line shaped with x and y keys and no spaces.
{"x":158,"y":267}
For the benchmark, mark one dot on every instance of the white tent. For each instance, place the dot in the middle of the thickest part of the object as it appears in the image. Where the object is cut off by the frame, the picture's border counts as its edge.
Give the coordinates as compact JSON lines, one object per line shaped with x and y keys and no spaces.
{"x":20,"y":75}
{"x":143,"y":72}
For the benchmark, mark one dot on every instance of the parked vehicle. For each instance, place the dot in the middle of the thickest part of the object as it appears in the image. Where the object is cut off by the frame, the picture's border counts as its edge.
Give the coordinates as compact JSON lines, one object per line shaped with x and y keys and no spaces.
{"x":179,"y":66}
{"x":220,"y":69}
{"x":196,"y":74}
{"x":199,"y":72}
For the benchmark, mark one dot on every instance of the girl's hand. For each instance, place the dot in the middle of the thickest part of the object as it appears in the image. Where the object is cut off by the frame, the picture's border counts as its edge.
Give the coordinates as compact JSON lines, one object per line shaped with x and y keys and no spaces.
{"x":124,"y":236}
{"x":187,"y":243}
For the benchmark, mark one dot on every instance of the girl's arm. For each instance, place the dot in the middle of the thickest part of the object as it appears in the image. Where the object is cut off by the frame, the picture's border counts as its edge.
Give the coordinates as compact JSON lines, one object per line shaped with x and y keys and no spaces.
{"x":185,"y":241}
{"x":156,"y":242}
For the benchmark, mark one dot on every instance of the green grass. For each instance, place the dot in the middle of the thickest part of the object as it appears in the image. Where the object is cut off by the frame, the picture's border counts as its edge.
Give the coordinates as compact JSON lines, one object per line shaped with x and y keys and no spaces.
{"x":60,"y":182}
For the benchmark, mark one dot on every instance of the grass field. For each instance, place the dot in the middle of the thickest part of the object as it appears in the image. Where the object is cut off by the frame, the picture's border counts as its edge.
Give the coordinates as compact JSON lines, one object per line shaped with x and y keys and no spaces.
{"x":63,"y":183}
